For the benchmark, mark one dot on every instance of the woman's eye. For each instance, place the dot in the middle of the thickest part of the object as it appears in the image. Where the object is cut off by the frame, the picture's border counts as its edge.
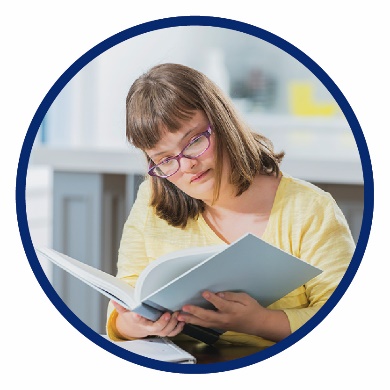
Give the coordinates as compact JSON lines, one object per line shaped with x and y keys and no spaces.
{"x":165,"y":161}
{"x":195,"y":141}
{"x":192,"y":144}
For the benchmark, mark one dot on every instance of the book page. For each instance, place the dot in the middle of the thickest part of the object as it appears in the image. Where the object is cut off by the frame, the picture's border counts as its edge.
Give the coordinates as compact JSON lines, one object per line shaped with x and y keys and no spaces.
{"x":106,"y":284}
{"x":158,"y":348}
{"x":168,"y":267}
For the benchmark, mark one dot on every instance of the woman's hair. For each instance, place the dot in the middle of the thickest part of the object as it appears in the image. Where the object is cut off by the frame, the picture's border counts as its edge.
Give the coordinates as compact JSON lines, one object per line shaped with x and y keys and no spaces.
{"x":168,"y":94}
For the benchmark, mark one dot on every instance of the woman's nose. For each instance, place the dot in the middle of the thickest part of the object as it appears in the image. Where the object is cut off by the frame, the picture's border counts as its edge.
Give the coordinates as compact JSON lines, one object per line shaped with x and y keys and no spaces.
{"x":186,"y":164}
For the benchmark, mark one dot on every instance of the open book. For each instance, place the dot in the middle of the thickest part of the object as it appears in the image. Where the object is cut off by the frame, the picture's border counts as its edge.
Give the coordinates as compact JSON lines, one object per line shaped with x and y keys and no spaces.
{"x":158,"y":348}
{"x":247,"y":265}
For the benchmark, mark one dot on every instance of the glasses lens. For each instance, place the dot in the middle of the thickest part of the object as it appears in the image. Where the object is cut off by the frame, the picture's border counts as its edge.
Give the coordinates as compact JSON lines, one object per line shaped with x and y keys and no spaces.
{"x":170,"y":166}
{"x":196,"y":147}
{"x":166,"y":168}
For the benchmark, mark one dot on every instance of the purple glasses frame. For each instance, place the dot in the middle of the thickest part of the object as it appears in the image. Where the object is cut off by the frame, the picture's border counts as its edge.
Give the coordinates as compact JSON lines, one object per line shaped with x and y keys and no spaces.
{"x":178,"y":157}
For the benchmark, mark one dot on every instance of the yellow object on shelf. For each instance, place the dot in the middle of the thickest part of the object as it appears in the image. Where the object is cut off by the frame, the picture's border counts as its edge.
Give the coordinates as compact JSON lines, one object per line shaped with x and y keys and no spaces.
{"x":302,"y":101}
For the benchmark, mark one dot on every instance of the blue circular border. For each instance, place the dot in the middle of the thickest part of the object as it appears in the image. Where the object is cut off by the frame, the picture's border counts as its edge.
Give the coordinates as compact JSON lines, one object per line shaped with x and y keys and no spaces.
{"x":176,"y":22}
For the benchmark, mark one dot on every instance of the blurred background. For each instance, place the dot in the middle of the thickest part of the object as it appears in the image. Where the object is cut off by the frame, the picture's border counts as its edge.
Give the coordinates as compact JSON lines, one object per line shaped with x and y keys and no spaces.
{"x":83,"y":176}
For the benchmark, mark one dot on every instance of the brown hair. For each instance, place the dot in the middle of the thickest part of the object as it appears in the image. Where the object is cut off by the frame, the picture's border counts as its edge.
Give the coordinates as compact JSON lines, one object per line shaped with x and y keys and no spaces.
{"x":171,"y":93}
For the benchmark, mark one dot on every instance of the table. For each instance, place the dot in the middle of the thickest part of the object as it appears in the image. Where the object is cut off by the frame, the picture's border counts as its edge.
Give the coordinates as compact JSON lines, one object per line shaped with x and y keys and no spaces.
{"x":205,"y":354}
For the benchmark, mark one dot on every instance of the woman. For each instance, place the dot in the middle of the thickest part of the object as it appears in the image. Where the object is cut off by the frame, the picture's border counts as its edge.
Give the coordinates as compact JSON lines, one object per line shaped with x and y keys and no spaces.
{"x":211,"y":180}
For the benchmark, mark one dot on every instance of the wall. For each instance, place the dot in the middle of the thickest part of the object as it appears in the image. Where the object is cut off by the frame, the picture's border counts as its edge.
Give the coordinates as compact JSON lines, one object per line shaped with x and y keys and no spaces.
{"x":90,"y":109}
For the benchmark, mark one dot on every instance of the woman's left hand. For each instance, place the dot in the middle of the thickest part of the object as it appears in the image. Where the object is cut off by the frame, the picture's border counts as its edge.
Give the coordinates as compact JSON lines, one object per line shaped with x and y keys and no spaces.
{"x":237,"y":312}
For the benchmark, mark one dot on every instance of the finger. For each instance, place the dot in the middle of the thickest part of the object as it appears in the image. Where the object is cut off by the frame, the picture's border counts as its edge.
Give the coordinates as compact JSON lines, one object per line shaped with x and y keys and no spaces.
{"x":218,"y":302}
{"x":170,"y":325}
{"x":173,"y":327}
{"x":158,"y":326}
{"x":192,"y":314}
{"x":233,"y":296}
{"x":178,"y":329}
{"x":203,"y":320}
{"x":163,"y":320}
{"x":120,"y":309}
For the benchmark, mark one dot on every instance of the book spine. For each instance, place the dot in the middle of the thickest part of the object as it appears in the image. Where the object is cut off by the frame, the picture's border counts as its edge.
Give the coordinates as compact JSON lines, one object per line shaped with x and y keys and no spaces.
{"x":206,"y":335}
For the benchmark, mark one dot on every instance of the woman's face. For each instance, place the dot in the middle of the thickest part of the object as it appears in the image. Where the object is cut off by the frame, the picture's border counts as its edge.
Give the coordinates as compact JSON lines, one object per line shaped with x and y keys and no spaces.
{"x":195,"y":177}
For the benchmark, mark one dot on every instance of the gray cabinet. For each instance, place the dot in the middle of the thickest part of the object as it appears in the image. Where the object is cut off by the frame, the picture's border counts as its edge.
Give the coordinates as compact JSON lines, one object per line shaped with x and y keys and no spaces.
{"x":89,"y":210}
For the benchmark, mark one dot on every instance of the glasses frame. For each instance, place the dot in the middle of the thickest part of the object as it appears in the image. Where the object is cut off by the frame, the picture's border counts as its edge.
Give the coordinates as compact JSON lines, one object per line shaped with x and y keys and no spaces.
{"x":178,"y":157}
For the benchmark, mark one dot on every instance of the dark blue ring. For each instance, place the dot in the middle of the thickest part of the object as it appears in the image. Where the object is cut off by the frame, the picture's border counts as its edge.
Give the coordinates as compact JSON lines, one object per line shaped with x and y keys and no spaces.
{"x":194,"y":21}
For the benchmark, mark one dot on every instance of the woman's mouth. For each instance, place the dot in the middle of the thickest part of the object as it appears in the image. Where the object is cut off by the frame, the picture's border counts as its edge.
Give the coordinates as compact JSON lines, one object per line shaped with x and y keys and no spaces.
{"x":199,"y":176}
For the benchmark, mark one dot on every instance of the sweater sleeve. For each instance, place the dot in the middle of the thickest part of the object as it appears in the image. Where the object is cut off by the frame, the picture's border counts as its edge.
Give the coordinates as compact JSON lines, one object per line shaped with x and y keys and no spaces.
{"x":132,"y":255}
{"x":325,"y":242}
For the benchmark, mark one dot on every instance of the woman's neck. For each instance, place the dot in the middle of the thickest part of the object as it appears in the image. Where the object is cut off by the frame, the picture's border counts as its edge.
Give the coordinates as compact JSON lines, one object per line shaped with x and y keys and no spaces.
{"x":257,"y":199}
{"x":233,"y":216}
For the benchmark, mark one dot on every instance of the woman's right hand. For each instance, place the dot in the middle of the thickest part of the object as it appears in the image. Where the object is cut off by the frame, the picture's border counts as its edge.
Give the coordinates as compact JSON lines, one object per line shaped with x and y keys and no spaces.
{"x":132,"y":325}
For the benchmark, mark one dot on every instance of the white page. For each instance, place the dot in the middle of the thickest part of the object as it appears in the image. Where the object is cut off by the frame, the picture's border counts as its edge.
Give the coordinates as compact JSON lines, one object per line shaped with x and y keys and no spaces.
{"x":166,"y":268}
{"x":103,"y":282}
{"x":156,"y":348}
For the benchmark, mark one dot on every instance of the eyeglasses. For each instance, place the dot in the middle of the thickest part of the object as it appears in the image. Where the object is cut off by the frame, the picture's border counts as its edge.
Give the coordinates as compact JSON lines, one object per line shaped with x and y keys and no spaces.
{"x":171,"y":165}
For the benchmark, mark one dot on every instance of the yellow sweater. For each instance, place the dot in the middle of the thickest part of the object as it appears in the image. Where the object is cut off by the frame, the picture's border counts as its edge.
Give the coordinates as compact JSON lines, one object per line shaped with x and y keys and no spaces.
{"x":305,"y":221}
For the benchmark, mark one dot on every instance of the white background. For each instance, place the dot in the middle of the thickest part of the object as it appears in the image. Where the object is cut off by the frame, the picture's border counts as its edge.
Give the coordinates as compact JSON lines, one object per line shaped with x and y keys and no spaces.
{"x":40,"y":40}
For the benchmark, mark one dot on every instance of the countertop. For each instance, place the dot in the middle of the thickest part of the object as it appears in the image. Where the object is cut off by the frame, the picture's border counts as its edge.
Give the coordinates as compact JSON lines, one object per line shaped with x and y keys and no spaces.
{"x":341,"y":168}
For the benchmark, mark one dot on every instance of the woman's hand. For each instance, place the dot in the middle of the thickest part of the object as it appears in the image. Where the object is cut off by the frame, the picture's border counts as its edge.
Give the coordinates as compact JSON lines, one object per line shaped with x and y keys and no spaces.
{"x":240,"y":313}
{"x":132,"y":325}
